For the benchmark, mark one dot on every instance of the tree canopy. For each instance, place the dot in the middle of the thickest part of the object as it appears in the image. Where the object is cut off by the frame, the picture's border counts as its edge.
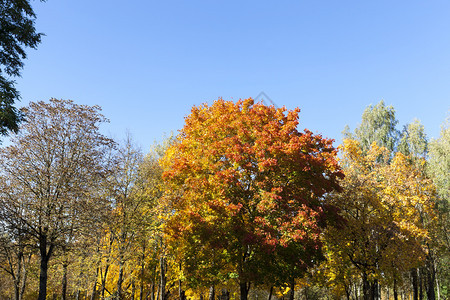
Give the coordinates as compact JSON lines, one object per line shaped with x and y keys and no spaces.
{"x":241,"y":203}
{"x":17,"y":32}
{"x":249,"y":184}
{"x":49,"y":176}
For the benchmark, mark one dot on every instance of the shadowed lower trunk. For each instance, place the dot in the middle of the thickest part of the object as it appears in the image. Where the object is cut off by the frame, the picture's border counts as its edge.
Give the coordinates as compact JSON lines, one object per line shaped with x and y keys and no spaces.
{"x":292,"y":287}
{"x":17,"y":276}
{"x":120,"y":279}
{"x":431,"y":295}
{"x":366,"y":287}
{"x":415,"y":286}
{"x":395,"y":290}
{"x":270,"y":293}
{"x":244,"y":287}
{"x":64,"y":282}
{"x":94,"y":288}
{"x":43,"y":275}
{"x":133,"y":289}
{"x":225,"y":295}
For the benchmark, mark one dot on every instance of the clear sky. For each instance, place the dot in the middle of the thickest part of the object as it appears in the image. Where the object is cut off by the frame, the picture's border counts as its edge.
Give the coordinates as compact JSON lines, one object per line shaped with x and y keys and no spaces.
{"x":146,"y":63}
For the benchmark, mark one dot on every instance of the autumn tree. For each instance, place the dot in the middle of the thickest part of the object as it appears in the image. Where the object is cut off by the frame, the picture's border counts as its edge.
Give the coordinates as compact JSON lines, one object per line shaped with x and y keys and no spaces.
{"x":249,"y":184}
{"x":384,"y":201}
{"x":125,"y":213}
{"x":379,"y":125}
{"x":150,"y":188}
{"x":55,"y":163}
{"x":128,"y":252}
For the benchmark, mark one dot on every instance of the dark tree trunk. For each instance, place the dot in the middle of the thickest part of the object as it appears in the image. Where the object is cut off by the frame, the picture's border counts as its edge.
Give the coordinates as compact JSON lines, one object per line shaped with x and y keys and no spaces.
{"x":348,"y":293}
{"x":430,"y":282}
{"x":105,"y":275}
{"x":152,"y":291}
{"x":43,"y":275}
{"x":141,"y":285}
{"x":17,"y":276}
{"x":103,"y":288}
{"x":270,"y":293}
{"x":395,"y":290}
{"x":374,"y":290}
{"x":421,"y":273}
{"x":120,"y":279}
{"x":133,"y":289}
{"x":292,"y":286}
{"x":225,"y":295}
{"x":366,"y":287}
{"x":244,"y":287}
{"x":64,"y":282}
{"x":415,"y":284}
{"x":94,"y":288}
{"x":16,"y":290}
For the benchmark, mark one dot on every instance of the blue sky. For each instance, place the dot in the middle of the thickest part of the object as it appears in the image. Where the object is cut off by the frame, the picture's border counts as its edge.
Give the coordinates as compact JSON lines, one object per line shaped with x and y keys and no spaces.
{"x":146,"y":63}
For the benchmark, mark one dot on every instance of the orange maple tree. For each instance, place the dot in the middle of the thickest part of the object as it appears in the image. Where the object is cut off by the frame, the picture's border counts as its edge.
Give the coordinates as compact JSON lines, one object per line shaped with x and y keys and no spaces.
{"x":247,"y":187}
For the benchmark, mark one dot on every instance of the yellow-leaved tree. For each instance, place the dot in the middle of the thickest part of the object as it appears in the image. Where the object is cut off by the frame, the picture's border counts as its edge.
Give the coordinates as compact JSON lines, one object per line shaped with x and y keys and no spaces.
{"x":386,"y":205}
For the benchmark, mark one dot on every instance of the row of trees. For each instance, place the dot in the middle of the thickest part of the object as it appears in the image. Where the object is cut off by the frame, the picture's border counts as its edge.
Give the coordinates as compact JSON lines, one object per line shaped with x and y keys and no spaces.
{"x":239,"y":204}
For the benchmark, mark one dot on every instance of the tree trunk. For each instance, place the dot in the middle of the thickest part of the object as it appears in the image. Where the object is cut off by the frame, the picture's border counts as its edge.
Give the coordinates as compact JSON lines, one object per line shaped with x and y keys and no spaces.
{"x":64,"y":282}
{"x":105,"y":275}
{"x":120,"y":279}
{"x":421,"y":283}
{"x":348,"y":293}
{"x":374,"y":293}
{"x":94,"y":288}
{"x":244,"y":287}
{"x":414,"y":284}
{"x":292,"y":286}
{"x":181,"y":294}
{"x":24,"y":278}
{"x":152,"y":291}
{"x":158,"y":297}
{"x":16,"y":278}
{"x":133,"y":289}
{"x":395,"y":290}
{"x":43,"y":275}
{"x":212,"y":293}
{"x":141,"y":285}
{"x":366,"y":287}
{"x":270,"y":293}
{"x":163,"y":279}
{"x":103,"y":288}
{"x":437,"y":289}
{"x":430,"y":283}
{"x":225,"y":295}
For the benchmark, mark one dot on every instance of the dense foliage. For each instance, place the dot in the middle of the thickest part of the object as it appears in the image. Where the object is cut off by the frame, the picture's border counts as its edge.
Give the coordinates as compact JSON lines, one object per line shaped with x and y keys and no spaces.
{"x":241,"y":204}
{"x":17,"y":32}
